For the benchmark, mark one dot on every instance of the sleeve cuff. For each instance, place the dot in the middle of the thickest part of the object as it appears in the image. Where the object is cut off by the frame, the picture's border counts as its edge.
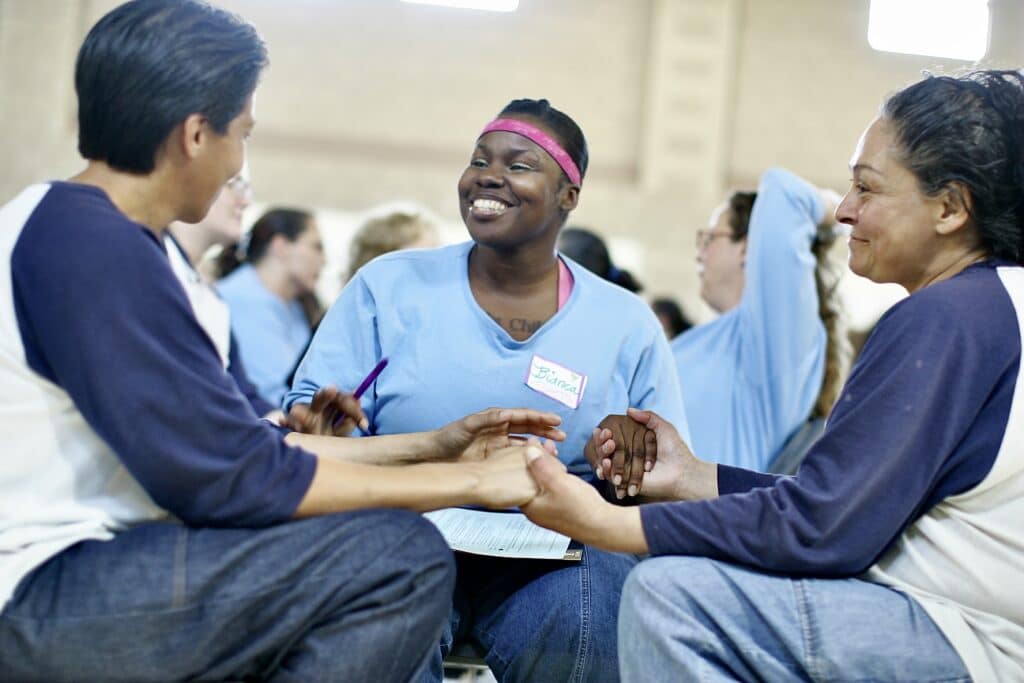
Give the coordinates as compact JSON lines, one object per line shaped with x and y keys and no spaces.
{"x":739,"y":480}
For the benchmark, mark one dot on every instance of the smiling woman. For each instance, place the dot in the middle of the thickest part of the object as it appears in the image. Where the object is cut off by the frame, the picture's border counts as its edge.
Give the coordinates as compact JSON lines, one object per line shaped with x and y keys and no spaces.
{"x":478,"y":324}
{"x":907,"y":228}
{"x":900,"y":533}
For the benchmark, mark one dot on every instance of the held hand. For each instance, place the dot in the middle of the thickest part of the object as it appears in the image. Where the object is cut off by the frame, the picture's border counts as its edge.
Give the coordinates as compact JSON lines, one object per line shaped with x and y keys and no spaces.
{"x":621,"y":451}
{"x":679,"y":474}
{"x":331,"y":413}
{"x":477,"y":436}
{"x":572,"y":507}
{"x":565,"y":503}
{"x":505,"y":480}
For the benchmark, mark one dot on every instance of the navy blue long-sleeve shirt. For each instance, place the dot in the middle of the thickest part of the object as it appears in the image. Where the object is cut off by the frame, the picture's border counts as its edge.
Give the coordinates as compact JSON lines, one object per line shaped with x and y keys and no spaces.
{"x":921,"y":418}
{"x":102,"y":316}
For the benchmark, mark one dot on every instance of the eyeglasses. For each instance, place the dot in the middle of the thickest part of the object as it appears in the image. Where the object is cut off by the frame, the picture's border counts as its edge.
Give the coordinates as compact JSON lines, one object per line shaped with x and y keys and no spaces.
{"x":240,"y":186}
{"x":704,"y":237}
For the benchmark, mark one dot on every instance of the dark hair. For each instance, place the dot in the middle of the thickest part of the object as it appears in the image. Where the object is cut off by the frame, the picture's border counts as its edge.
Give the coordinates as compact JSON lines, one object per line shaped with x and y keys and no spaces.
{"x":148,"y":64}
{"x":826,"y":281}
{"x":290,"y":223}
{"x":968,"y":131}
{"x":677,"y":321}
{"x":589,"y":250}
{"x":741,"y":205}
{"x":565,"y":129}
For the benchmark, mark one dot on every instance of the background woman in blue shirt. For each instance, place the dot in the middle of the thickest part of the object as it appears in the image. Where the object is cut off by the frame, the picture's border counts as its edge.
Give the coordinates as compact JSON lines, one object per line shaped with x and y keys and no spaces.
{"x":271,"y":297}
{"x":752,"y":376}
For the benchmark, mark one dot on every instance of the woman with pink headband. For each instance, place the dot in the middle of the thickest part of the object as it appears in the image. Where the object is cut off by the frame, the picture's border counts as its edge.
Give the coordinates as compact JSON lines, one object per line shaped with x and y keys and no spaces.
{"x":504,"y":320}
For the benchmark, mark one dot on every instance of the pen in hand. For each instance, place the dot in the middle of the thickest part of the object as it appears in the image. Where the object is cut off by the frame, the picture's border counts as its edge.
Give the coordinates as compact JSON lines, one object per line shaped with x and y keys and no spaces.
{"x":365,"y":384}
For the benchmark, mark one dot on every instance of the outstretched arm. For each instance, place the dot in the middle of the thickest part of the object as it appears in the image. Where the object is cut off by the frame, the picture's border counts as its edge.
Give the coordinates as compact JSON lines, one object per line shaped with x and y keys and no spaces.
{"x":500,"y":481}
{"x":472,"y":438}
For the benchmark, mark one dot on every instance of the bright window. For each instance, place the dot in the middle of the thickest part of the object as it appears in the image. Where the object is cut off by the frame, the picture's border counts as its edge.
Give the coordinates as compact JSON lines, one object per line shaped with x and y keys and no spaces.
{"x":492,"y":5}
{"x":955,"y":29}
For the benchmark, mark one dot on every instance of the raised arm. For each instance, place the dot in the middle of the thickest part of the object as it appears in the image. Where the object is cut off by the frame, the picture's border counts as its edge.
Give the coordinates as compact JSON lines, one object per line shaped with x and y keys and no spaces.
{"x":783,"y":338}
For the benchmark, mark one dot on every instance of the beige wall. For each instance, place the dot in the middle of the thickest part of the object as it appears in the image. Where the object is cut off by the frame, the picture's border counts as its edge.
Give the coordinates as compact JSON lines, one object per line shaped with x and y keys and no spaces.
{"x":373,"y":100}
{"x":807,"y":82}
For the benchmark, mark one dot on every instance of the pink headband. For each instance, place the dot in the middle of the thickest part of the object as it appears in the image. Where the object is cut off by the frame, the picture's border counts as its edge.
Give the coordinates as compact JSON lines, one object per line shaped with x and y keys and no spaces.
{"x":540,"y":138}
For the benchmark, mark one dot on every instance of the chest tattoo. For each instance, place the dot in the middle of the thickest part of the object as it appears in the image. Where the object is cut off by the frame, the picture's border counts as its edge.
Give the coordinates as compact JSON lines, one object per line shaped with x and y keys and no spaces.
{"x":518,"y":325}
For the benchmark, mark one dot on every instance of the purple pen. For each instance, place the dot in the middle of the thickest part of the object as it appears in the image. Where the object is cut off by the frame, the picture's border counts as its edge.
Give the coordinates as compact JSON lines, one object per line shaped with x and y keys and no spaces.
{"x":365,"y":384}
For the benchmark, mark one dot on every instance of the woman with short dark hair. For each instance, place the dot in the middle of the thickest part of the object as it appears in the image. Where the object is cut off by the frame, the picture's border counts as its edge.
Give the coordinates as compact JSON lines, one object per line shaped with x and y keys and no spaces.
{"x":500,"y":320}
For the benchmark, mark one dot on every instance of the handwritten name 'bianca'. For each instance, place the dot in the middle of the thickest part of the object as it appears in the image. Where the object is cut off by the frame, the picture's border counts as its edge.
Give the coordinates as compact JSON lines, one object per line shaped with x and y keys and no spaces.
{"x":549,"y":376}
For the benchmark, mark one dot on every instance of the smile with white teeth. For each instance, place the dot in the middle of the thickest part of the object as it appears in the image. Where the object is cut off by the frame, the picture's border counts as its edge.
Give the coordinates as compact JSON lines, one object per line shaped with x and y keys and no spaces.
{"x":488,"y":207}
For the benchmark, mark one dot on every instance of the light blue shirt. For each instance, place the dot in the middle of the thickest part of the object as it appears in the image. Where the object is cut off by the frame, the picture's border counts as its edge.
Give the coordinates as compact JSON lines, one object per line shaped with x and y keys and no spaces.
{"x":751,"y":376}
{"x":448,"y":358}
{"x":271,"y":332}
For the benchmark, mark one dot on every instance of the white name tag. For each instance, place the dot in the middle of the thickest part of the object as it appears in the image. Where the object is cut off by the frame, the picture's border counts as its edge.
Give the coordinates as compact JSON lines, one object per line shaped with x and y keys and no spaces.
{"x":556,"y":381}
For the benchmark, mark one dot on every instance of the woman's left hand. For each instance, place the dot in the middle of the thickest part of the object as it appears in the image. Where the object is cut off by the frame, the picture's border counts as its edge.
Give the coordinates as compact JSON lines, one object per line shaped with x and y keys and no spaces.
{"x":476,"y":436}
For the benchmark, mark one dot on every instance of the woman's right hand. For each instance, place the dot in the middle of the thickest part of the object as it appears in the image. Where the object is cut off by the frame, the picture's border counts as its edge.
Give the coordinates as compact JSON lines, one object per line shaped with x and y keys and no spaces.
{"x":331,"y":413}
{"x":621,"y":451}
{"x":504,"y":480}
{"x":475,"y":437}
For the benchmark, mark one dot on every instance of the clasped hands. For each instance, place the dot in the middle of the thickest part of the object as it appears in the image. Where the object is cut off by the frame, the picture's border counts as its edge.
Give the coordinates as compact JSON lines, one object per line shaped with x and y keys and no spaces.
{"x":491,"y":446}
{"x":639,"y":453}
{"x":623,"y":452}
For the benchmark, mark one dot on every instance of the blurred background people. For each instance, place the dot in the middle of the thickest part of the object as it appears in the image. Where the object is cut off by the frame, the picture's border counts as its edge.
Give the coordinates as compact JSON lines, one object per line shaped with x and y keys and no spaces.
{"x":671,"y":316}
{"x":395,"y":230}
{"x":667,"y":161}
{"x":775,"y":355}
{"x":271,"y":296}
{"x":588,"y":249}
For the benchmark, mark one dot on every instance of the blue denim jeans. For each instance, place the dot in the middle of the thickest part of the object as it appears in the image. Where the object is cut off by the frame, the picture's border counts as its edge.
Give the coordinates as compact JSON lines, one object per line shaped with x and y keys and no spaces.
{"x":539,"y":620}
{"x":360,"y":596}
{"x":695,"y":619}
